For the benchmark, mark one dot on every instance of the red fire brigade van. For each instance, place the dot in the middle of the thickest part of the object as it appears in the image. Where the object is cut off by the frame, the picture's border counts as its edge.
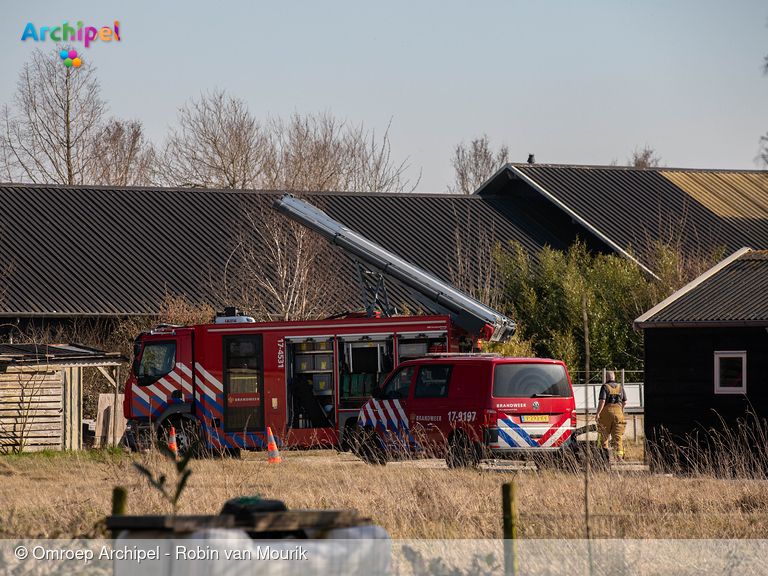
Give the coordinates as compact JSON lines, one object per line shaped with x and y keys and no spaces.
{"x":468,"y":407}
{"x":227,"y":382}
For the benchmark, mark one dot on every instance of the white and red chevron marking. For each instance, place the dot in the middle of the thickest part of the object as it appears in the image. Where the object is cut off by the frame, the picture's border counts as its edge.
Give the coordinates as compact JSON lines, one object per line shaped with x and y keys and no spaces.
{"x":162,"y":387}
{"x":182,"y":378}
{"x":141,"y":393}
{"x":203,"y":387}
{"x":400,"y":411}
{"x":557,"y":433}
{"x":215,"y":386}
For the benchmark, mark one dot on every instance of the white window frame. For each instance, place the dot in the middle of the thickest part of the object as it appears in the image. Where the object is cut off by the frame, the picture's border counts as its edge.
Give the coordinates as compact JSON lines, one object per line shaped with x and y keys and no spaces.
{"x":731,"y":354}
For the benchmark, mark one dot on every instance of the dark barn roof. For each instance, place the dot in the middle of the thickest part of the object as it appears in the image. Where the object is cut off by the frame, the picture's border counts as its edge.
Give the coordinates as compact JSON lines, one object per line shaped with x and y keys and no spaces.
{"x":55,"y":355}
{"x":631,"y":209}
{"x":733,"y":293}
{"x":97,"y":251}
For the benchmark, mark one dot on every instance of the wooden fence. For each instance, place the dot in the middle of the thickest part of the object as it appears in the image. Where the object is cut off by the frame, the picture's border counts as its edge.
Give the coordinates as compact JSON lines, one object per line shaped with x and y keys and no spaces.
{"x":31,"y":407}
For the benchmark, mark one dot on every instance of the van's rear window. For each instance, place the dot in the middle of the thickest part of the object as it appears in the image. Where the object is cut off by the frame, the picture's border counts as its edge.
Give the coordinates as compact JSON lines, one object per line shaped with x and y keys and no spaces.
{"x":530,"y":381}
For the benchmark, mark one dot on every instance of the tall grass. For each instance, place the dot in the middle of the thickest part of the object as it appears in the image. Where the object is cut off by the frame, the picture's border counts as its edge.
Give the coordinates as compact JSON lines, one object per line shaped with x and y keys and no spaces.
{"x":739,"y":452}
{"x":66,"y":494}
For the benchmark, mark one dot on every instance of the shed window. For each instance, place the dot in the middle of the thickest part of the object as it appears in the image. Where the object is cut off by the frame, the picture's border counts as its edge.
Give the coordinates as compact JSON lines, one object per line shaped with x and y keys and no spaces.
{"x":731,"y":372}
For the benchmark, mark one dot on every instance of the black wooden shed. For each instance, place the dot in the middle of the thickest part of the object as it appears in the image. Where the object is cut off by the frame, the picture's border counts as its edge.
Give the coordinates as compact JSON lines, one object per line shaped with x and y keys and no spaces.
{"x":706,"y":351}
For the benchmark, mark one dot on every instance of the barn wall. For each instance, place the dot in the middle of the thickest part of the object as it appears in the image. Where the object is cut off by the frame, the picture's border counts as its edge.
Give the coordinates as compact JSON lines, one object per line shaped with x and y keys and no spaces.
{"x":679,"y":378}
{"x":30,"y":410}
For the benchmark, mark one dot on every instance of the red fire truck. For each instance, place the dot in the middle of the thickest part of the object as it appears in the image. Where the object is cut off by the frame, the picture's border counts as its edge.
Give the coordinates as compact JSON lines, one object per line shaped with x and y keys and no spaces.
{"x":227,"y":382}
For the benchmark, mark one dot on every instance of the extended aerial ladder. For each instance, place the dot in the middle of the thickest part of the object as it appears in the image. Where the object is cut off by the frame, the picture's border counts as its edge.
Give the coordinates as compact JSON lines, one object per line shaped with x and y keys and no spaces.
{"x":465,"y":311}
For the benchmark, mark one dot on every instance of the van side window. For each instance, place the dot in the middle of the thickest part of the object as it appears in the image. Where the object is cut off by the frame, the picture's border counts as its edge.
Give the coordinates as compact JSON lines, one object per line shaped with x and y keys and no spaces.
{"x":432,"y":381}
{"x":399,"y":385}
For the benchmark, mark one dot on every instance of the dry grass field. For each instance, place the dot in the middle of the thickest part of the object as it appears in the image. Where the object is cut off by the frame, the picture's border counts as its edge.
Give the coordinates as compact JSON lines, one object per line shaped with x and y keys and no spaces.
{"x":62,"y":495}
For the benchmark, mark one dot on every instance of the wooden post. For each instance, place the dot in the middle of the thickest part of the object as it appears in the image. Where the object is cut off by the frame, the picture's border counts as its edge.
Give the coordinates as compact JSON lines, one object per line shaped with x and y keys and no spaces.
{"x":588,"y":449}
{"x":114,"y":411}
{"x":119,"y":504}
{"x":115,"y":381}
{"x":634,"y":427}
{"x":119,"y":501}
{"x":509,"y":505}
{"x":586,"y":338}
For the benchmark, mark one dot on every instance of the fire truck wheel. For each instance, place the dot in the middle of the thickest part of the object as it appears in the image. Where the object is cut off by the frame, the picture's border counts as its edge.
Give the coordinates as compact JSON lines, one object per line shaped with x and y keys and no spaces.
{"x":187,"y":433}
{"x":234,"y":453}
{"x":461,"y":453}
{"x":369,"y":449}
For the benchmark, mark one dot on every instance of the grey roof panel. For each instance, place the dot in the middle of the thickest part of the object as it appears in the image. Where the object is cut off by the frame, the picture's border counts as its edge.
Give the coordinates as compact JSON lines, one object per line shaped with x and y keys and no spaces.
{"x":698,"y":211}
{"x":734,"y":293}
{"x":114,"y":251}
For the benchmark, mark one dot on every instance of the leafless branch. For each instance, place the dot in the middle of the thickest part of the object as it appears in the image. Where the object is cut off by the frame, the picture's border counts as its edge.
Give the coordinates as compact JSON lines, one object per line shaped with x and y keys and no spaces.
{"x":475,"y":163}
{"x":279,"y":270}
{"x":473,"y":267}
{"x":218,"y":144}
{"x":48,"y":135}
{"x":644,"y":158}
{"x":122,"y":156}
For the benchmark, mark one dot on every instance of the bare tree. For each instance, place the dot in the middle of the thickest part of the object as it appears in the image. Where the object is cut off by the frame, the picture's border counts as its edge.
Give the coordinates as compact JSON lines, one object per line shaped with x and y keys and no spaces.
{"x":475,"y":163}
{"x":280,"y":270}
{"x":371,"y":167}
{"x":318,"y":152}
{"x":645,"y":158}
{"x":473,"y":266}
{"x":49,"y":133}
{"x":122,"y":156}
{"x":763,"y":155}
{"x":218,"y":144}
{"x":306,"y":153}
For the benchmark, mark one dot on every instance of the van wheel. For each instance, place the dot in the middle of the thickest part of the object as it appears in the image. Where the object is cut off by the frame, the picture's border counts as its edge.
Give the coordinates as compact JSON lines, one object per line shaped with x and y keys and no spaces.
{"x":461,"y":453}
{"x":349,"y":440}
{"x":368,"y":448}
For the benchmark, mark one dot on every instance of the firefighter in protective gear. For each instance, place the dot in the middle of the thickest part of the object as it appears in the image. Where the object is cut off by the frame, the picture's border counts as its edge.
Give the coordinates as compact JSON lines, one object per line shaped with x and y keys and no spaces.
{"x":610,"y":415}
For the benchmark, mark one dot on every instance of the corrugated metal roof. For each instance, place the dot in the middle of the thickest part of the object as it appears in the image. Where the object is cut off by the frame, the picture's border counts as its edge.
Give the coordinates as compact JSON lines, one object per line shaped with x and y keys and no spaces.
{"x":733,"y":293}
{"x":114,"y":251}
{"x":55,"y":355}
{"x":700,"y":211}
{"x":739,"y":198}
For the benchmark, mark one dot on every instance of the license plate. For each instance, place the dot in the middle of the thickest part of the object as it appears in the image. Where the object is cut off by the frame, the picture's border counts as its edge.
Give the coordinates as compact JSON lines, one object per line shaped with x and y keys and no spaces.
{"x":534,"y":418}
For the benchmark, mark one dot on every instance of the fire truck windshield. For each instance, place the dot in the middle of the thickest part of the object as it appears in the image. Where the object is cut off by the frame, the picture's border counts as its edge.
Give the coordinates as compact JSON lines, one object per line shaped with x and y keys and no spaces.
{"x":157,"y":360}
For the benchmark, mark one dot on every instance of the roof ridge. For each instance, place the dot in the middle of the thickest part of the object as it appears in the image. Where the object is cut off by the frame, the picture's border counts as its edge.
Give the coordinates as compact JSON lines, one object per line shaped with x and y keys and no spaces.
{"x":579,"y":218}
{"x":638,"y":323}
{"x":240,"y":191}
{"x":635,"y":168}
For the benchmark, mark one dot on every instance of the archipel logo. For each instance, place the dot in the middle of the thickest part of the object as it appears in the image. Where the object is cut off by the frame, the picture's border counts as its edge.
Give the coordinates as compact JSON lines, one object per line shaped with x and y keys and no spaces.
{"x":70,"y":58}
{"x":89,"y":34}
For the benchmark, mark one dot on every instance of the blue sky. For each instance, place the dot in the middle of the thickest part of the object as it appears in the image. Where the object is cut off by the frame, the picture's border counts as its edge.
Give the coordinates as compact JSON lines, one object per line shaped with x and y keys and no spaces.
{"x":573,"y":82}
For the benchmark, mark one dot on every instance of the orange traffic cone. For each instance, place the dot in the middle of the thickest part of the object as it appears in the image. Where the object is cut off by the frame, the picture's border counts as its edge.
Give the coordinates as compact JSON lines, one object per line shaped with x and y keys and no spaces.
{"x":272,"y":454}
{"x":172,"y":444}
